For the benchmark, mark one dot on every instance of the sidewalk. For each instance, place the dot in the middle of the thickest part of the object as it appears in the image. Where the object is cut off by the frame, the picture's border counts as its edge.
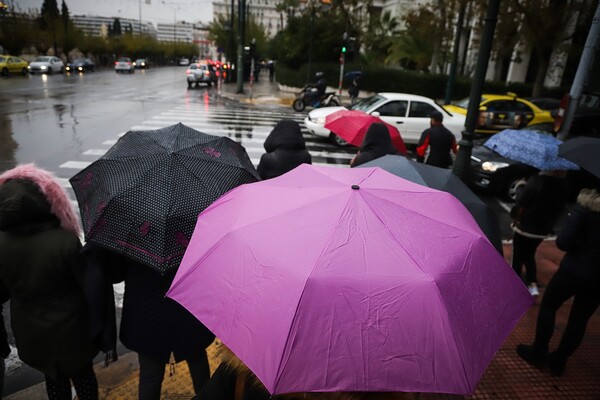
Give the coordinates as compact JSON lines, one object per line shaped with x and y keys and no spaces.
{"x":507,"y":376}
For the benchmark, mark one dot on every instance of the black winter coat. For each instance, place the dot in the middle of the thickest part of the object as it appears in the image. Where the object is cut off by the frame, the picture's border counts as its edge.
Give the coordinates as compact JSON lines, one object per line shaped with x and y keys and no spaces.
{"x":285,"y":148}
{"x":580,"y":238}
{"x":377,"y":143}
{"x":151,"y":323}
{"x":42,"y":269}
{"x":540,"y":204}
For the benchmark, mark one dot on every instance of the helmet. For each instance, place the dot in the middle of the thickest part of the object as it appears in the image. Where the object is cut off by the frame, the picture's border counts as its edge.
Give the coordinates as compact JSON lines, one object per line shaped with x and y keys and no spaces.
{"x":319,"y":75}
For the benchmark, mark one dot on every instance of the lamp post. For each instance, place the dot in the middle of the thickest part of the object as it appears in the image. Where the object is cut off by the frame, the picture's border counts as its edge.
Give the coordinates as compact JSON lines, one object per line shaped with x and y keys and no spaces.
{"x":462,"y":165}
{"x":140,"y":8}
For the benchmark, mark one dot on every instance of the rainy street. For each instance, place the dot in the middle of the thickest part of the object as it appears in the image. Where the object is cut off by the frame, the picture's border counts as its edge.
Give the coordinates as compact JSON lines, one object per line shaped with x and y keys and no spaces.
{"x":65,"y":122}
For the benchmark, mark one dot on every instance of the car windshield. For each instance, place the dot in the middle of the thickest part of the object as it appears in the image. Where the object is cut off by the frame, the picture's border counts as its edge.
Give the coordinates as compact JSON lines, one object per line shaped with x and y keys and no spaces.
{"x":122,"y":59}
{"x":367,"y":103}
{"x":464,"y":103}
{"x":78,"y":61}
{"x":42,"y":59}
{"x":140,"y":60}
{"x":193,"y":66}
{"x":2,"y":59}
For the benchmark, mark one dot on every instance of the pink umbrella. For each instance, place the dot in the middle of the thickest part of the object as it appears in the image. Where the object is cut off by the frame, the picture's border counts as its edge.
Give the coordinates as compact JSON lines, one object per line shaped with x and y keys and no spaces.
{"x":352,"y":126}
{"x":329,"y":279}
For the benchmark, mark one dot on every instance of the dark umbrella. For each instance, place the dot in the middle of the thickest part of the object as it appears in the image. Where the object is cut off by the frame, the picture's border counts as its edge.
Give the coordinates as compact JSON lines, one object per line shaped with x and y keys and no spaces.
{"x":444,"y":180}
{"x":583,"y":151}
{"x":142,"y":198}
{"x":352,"y":74}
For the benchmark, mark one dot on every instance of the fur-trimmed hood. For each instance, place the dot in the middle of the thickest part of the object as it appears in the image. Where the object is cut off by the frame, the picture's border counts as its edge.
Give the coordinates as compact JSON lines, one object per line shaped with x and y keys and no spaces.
{"x":589,"y":198}
{"x":50,"y":188}
{"x":227,"y":357}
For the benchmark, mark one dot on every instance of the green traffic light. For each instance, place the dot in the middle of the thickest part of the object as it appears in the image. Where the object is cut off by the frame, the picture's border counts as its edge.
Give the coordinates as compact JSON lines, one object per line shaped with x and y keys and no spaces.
{"x":343,"y":49}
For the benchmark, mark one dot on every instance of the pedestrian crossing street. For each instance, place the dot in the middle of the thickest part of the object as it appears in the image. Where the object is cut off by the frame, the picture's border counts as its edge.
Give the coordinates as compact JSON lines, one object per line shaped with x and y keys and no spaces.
{"x":249,"y":127}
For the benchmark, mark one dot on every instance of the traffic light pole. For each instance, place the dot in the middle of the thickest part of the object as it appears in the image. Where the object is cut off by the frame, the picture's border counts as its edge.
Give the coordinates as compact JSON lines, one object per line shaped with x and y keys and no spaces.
{"x":342,"y":62}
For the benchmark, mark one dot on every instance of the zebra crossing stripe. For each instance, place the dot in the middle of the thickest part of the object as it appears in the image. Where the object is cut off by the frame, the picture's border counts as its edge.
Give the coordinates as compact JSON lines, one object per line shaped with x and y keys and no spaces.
{"x":79,"y":165}
{"x":95,"y":152}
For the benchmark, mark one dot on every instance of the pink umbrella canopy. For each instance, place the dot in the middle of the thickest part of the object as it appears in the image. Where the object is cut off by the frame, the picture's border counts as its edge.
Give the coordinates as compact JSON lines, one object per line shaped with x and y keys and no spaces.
{"x":352,"y":126}
{"x":328,"y":279}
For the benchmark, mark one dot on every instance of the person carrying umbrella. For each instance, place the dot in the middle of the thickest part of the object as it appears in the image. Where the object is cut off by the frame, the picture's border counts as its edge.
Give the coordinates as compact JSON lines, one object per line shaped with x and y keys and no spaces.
{"x":285,"y":148}
{"x":377,"y":143}
{"x":440,"y":142}
{"x":139,"y":204}
{"x":579,"y":277}
{"x":42,"y":270}
{"x":534,"y":215}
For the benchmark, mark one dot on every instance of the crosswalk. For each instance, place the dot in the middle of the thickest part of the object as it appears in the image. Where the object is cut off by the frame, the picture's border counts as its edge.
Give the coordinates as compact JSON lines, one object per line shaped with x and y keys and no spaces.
{"x":247,"y":126}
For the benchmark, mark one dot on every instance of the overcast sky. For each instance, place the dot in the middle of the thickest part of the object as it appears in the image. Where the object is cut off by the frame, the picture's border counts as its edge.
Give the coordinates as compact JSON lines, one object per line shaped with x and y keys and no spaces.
{"x":156,"y":11}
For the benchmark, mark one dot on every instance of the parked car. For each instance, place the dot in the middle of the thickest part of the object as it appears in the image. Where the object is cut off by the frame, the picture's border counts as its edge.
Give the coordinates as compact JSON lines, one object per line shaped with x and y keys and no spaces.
{"x":12,"y":65}
{"x":408,"y":112}
{"x":124,"y":64}
{"x":46,"y":65}
{"x":494,"y":173}
{"x":200,"y":72}
{"x":141,"y":63}
{"x":498,"y":112}
{"x":184,"y":62}
{"x":81,"y":65}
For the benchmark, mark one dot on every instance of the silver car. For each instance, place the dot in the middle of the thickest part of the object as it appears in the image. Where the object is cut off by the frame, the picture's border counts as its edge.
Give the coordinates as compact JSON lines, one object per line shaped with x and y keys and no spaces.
{"x":124,"y":64}
{"x":46,"y":65}
{"x":200,"y":73}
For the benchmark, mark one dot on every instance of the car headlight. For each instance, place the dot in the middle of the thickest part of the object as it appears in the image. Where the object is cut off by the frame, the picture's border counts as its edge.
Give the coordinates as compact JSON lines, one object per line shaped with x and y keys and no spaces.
{"x":492,"y":166}
{"x":43,"y":67}
{"x":320,"y":120}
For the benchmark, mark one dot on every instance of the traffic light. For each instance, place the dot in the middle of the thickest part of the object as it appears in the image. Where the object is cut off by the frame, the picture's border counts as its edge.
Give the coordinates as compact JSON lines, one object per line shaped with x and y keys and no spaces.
{"x":343,"y":48}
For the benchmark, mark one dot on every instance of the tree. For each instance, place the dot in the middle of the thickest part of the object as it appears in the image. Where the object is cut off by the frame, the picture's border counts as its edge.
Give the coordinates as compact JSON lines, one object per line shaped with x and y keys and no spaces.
{"x":49,"y":21}
{"x":380,"y":36}
{"x":15,"y":31}
{"x":68,"y":34}
{"x":218,"y":32}
{"x":413,"y":48}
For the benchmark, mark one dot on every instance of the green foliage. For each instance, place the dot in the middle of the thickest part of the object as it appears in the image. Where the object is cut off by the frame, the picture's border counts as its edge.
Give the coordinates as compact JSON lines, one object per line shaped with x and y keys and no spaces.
{"x":219,"y":31}
{"x":381,"y":79}
{"x":15,"y":32}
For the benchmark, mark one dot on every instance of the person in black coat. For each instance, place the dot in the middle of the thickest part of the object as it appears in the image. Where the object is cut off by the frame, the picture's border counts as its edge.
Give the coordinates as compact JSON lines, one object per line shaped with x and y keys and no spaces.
{"x":534,"y":215}
{"x":152,"y":325}
{"x":285,"y":148}
{"x":377,"y":143}
{"x":579,"y":277}
{"x":440,"y":142}
{"x":42,"y":272}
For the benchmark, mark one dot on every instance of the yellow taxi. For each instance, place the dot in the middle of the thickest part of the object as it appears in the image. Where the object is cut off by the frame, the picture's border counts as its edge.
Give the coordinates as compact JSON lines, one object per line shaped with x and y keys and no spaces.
{"x":12,"y":65}
{"x":505,"y":111}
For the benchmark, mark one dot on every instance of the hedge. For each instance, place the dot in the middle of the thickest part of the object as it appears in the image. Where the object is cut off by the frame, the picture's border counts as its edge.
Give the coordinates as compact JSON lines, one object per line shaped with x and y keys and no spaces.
{"x":379,"y":79}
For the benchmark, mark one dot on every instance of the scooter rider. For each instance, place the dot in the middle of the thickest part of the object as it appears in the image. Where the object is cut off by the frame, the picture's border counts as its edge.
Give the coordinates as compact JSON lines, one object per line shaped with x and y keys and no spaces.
{"x":317,"y":90}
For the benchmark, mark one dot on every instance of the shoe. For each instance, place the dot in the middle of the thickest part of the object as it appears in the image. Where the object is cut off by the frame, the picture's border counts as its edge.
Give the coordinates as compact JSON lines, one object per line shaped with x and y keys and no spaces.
{"x":556,"y":364}
{"x":531,"y":355}
{"x":533,"y":290}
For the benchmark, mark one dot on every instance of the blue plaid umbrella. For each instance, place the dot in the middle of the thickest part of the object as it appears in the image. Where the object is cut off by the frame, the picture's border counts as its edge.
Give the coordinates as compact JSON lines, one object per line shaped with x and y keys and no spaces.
{"x":537,"y":149}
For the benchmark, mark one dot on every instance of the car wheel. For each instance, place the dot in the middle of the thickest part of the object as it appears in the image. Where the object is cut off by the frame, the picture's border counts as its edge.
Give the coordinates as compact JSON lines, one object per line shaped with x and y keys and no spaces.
{"x":190,"y":85}
{"x":24,"y":71}
{"x":298,"y":105}
{"x":61,"y":70}
{"x":338,"y":141}
{"x":49,"y":71}
{"x":514,"y":187}
{"x":4,"y":71}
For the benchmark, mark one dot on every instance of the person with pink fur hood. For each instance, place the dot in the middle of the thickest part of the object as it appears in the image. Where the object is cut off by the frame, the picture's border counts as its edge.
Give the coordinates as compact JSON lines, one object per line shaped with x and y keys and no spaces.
{"x":42,"y":269}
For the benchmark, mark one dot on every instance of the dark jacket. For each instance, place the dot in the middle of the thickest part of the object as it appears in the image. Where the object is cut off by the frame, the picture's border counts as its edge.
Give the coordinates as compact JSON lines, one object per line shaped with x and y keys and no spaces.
{"x":285,"y":148}
{"x":540,"y":204}
{"x":151,"y":323}
{"x":377,"y":143}
{"x":580,"y":238}
{"x":440,"y":142}
{"x":42,"y":268}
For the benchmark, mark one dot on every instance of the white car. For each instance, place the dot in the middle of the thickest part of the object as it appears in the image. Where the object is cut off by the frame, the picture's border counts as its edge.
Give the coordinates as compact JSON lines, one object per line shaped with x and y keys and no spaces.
{"x":407,"y":112}
{"x":124,"y":64}
{"x":46,"y":65}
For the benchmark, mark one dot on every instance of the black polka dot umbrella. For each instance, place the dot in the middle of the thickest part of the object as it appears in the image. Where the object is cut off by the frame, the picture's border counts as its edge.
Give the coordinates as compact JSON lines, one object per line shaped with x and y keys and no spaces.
{"x":142,"y":198}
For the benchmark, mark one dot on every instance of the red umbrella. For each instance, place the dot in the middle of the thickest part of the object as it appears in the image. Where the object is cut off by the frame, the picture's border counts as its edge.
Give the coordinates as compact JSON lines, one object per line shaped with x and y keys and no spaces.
{"x":352,"y":125}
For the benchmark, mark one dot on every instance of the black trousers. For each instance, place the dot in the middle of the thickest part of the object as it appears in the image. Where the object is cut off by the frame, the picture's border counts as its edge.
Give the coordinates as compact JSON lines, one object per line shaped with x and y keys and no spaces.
{"x":524,"y":249}
{"x":86,"y":385}
{"x":152,"y":372}
{"x":586,"y":299}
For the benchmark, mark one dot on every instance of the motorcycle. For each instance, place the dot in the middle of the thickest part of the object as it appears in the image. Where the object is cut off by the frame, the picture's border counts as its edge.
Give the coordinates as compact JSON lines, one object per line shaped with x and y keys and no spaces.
{"x":305,"y":98}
